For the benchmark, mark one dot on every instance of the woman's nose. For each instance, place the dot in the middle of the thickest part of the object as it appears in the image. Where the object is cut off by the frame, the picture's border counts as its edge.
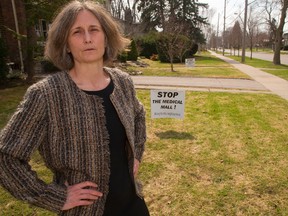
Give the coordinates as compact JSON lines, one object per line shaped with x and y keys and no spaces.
{"x":87,"y":37}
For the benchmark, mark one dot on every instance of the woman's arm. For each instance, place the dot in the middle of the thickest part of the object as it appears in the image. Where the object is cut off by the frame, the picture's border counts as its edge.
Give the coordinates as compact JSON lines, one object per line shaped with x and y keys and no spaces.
{"x":22,"y":135}
{"x":140,"y":125}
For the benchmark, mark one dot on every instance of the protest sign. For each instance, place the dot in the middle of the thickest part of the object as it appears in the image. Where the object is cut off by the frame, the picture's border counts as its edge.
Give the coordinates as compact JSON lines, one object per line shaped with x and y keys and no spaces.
{"x":167,"y":104}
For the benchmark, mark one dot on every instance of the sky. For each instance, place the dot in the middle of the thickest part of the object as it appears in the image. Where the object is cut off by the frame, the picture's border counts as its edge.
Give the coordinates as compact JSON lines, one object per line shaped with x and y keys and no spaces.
{"x":233,"y":9}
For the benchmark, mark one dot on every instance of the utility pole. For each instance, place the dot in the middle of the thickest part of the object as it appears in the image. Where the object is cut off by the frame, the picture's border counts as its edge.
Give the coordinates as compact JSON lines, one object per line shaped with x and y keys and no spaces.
{"x":18,"y":32}
{"x":223,"y":39}
{"x":244,"y":33}
{"x":217,"y":34}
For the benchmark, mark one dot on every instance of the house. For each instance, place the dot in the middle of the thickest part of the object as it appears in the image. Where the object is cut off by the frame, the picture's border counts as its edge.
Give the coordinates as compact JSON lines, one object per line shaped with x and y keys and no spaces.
{"x":12,"y":23}
{"x":285,"y":41}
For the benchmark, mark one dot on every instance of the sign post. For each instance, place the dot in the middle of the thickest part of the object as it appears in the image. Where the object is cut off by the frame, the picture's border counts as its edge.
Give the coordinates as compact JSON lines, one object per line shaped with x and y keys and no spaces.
{"x":167,"y":104}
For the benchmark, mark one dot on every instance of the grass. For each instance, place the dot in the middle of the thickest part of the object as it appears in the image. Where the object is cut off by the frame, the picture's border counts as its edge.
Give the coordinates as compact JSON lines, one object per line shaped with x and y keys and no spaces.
{"x":206,"y":66}
{"x":9,"y":100}
{"x":227,"y":157}
{"x":267,"y":66}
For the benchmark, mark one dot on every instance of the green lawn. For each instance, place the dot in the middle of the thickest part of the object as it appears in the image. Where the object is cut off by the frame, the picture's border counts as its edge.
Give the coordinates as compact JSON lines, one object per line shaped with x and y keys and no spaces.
{"x":206,"y":65}
{"x":227,"y":157}
{"x":267,"y":66}
{"x":209,"y":66}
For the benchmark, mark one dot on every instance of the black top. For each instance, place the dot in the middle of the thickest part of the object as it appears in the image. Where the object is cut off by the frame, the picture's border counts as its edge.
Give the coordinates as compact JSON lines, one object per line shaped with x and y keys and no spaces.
{"x":121,"y":189}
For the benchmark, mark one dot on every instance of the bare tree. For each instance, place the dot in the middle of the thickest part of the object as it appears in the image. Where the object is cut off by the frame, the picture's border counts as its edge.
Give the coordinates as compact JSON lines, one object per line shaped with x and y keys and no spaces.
{"x":182,"y":46}
{"x":263,"y":39}
{"x":119,"y":8}
{"x":172,"y":42}
{"x":276,"y":27}
{"x":252,"y":24}
{"x":213,"y":41}
{"x":279,"y":33}
{"x":208,"y":28}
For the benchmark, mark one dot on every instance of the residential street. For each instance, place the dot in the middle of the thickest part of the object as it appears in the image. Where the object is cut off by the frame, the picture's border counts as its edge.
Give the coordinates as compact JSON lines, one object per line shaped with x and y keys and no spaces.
{"x":264,"y":56}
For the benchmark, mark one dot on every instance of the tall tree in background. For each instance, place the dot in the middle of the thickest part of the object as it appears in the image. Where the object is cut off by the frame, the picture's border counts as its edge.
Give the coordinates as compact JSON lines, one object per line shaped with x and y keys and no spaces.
{"x":236,"y":35}
{"x":276,"y":27}
{"x":208,"y":29}
{"x":252,"y":27}
{"x":152,"y":14}
{"x":158,"y":13}
{"x":279,"y":33}
{"x":213,"y":41}
{"x":119,"y":8}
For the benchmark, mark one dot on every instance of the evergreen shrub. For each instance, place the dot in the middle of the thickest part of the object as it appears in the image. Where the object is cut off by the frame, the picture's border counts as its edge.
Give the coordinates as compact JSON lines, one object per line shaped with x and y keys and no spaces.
{"x":133,"y":53}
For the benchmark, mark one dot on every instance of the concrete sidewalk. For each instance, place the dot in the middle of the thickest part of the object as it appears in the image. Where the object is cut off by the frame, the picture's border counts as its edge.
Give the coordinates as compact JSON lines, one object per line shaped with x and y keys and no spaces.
{"x":199,"y":84}
{"x":275,"y":84}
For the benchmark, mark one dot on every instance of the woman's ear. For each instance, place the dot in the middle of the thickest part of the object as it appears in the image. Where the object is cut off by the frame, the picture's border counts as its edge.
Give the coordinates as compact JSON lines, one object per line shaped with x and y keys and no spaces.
{"x":67,"y":48}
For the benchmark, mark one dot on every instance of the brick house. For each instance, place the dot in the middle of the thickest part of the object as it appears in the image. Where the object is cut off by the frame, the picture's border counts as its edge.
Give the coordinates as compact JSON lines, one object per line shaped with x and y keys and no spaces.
{"x":8,"y":20}
{"x":11,"y":16}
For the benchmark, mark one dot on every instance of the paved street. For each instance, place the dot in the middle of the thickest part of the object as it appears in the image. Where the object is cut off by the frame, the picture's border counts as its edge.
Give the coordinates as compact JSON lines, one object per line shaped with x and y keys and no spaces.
{"x":263,"y":56}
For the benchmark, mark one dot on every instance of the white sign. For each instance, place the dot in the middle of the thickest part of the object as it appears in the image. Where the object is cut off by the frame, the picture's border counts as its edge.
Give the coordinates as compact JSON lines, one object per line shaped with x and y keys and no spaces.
{"x":167,"y":104}
{"x":190,"y":62}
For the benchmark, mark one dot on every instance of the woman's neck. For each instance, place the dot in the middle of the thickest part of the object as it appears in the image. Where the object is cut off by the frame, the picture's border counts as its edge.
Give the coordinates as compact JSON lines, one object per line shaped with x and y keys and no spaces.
{"x":90,"y":77}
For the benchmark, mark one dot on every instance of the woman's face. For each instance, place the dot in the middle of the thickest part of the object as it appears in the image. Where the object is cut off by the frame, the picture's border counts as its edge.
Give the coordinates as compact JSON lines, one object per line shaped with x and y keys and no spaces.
{"x":86,"y":39}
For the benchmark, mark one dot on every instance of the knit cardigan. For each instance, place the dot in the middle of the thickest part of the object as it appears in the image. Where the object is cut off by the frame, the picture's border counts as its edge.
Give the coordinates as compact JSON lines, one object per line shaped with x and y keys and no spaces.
{"x":68,"y":128}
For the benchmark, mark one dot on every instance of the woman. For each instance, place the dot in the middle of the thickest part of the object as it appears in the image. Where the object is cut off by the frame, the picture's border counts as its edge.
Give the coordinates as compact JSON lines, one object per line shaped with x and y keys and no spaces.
{"x":85,"y":121}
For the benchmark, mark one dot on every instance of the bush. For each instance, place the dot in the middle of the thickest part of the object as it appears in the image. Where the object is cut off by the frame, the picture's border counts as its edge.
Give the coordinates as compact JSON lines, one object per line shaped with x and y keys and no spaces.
{"x":122,"y":57}
{"x":147,"y":44}
{"x":3,"y":64}
{"x":163,"y":42}
{"x":48,"y":67}
{"x":193,"y":50}
{"x":285,"y":47}
{"x":133,"y":53}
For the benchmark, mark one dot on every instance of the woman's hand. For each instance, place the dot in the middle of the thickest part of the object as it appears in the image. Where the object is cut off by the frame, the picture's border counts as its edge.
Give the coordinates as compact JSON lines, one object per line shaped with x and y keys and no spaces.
{"x":136,"y":167}
{"x":81,"y":194}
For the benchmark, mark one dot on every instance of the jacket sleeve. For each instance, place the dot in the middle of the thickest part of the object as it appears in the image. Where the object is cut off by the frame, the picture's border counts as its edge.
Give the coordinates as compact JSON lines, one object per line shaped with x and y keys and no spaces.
{"x":22,"y":135}
{"x":140,"y":124}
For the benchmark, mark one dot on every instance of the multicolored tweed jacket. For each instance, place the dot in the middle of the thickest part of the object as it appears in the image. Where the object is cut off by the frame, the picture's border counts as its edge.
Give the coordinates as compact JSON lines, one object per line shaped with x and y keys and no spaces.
{"x":67,"y":126}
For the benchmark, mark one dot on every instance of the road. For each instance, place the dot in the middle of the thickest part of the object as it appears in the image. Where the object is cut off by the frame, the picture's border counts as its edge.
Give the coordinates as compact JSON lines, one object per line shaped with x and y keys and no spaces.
{"x":265,"y":56}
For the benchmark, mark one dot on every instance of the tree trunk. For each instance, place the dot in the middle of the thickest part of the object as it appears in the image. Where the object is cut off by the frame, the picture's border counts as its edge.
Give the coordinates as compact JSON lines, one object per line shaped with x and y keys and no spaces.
{"x":277,"y":49}
{"x":279,"y":33}
{"x":171,"y":64}
{"x":172,"y":67}
{"x":31,"y":44}
{"x":162,"y":16}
